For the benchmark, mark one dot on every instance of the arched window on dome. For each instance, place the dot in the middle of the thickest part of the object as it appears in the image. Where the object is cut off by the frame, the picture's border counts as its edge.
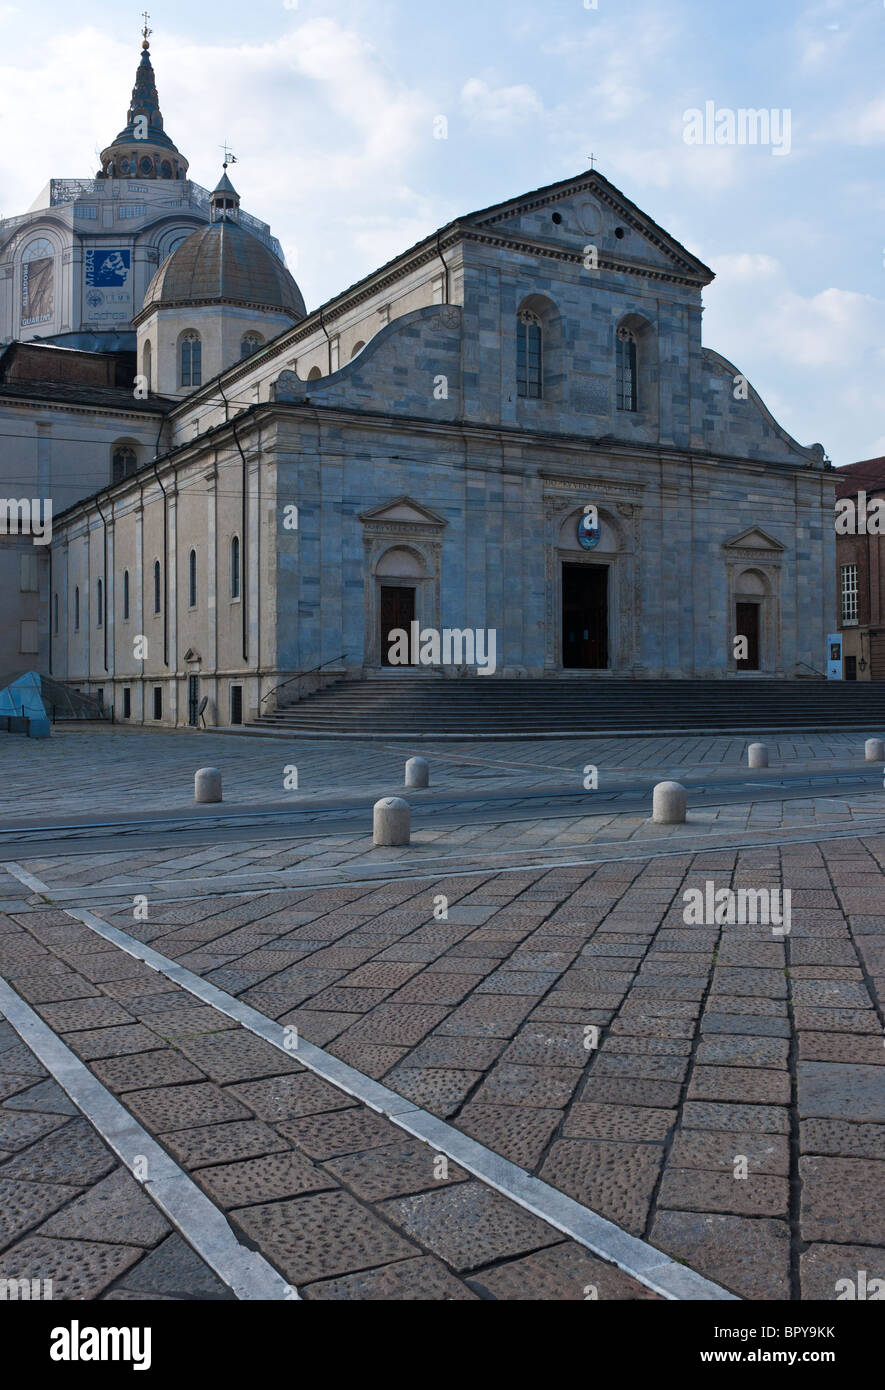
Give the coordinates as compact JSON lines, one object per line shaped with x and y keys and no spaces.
{"x":191,"y":373}
{"x":250,"y":343}
{"x":124,"y":462}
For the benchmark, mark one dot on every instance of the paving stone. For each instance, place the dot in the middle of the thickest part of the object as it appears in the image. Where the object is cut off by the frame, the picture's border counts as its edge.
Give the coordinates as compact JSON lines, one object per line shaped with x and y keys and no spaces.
{"x":624,"y":1043}
{"x":562,"y":1273}
{"x":624,"y":1122}
{"x":77,"y":1015}
{"x":662,"y":1095}
{"x":237,"y":1056}
{"x":717,"y":1150}
{"x":756,"y":1119}
{"x":112,"y":964}
{"x":342,"y":1132}
{"x":518,"y":982}
{"x":144,"y":1070}
{"x":112,"y":1042}
{"x":54,"y":987}
{"x":318,"y":1237}
{"x":182,"y":1107}
{"x":841,"y":1091}
{"x":47,"y":1097}
{"x":836,"y":1020}
{"x":843,"y":1200}
{"x":837,"y":1137}
{"x":647,"y":1026}
{"x":750,"y":1256}
{"x":491,"y":1016}
{"x":858,"y":1048}
{"x":441,"y":1090}
{"x":267,"y":1179}
{"x":202,"y":1148}
{"x":469,"y":1225}
{"x":519,"y":1133}
{"x":174,"y":1270}
{"x":184,"y":1022}
{"x":418,"y":1280}
{"x":746,"y":1004}
{"x":399,"y":1024}
{"x":395,"y":1170}
{"x":840,"y":994}
{"x":11,"y":1084}
{"x":725,"y":1050}
{"x":614,"y":1063}
{"x":463,"y":1054}
{"x":21,"y":1061}
{"x":79,"y":1269}
{"x":697,"y":1190}
{"x":116,"y":1210}
{"x":287,"y":1097}
{"x":24,"y":1204}
{"x":752,"y":1084}
{"x":615,"y":1179}
{"x":838,"y":1273}
{"x":318,"y":1028}
{"x":507,"y":1084}
{"x":437,"y":988}
{"x":19,"y":1129}
{"x":561,"y":1045}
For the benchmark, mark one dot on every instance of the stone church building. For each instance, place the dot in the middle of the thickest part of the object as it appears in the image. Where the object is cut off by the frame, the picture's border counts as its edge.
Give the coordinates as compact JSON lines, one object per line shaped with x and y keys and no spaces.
{"x":512,"y":428}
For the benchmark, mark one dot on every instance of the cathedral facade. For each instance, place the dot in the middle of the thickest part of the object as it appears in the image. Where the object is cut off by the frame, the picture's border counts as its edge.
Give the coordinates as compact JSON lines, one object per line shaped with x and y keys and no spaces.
{"x":511,"y":432}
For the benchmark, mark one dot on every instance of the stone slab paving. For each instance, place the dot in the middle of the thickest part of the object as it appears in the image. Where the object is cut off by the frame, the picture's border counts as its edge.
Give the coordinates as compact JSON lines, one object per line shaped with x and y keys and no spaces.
{"x":717,"y":1089}
{"x":341,"y":1201}
{"x":137,"y":770}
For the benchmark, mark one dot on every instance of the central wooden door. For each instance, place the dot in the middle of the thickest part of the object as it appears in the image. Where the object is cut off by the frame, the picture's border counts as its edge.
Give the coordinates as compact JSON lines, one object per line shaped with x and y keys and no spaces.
{"x":747,"y":626}
{"x":585,"y":617}
{"x":397,"y":612}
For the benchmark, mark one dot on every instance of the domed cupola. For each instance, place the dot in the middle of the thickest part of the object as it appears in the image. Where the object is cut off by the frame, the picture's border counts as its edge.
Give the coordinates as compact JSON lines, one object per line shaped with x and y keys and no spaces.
{"x":143,"y":150}
{"x":218,"y":297}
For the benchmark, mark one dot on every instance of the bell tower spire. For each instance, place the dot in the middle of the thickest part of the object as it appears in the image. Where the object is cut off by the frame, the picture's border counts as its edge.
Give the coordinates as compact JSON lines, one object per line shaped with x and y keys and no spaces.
{"x":143,"y":150}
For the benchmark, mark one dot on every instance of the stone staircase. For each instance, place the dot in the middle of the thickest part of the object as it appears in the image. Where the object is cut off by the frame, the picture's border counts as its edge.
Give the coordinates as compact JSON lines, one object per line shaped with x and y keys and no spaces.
{"x":489,"y":707}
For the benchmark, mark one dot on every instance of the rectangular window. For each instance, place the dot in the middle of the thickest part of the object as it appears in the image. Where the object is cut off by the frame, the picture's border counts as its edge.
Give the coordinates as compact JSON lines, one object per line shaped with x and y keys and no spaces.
{"x":127,"y":702}
{"x":158,"y":702}
{"x":29,"y":581}
{"x":28,"y":637}
{"x":849,"y":594}
{"x":89,"y":212}
{"x":236,"y":704}
{"x":131,"y":210}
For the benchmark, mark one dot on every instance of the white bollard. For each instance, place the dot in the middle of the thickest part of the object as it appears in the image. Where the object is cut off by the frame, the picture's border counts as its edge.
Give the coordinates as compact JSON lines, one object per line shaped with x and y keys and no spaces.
{"x":393,"y":822}
{"x":669,"y":804}
{"x":207,"y":785}
{"x":875,"y":750}
{"x":758,"y":755}
{"x":417,"y":772}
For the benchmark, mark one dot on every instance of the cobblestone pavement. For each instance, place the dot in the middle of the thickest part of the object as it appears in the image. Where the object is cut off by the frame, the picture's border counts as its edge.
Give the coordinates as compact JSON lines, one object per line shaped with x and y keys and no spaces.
{"x":731,"y":1108}
{"x":132,"y":770}
{"x":338,"y":1199}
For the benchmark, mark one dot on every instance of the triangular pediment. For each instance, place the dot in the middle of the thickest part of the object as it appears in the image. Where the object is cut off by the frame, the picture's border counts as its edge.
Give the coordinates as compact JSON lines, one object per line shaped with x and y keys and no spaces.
{"x":404,"y":510}
{"x":755,"y":539}
{"x":591,"y":211}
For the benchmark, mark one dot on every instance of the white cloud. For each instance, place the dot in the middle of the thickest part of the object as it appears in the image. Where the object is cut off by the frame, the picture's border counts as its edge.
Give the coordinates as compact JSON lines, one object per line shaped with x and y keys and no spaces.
{"x":499,"y":106}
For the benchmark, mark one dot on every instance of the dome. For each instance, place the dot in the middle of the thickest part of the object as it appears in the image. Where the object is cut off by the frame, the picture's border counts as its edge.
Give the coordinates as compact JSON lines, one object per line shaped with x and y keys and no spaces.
{"x":222,"y":262}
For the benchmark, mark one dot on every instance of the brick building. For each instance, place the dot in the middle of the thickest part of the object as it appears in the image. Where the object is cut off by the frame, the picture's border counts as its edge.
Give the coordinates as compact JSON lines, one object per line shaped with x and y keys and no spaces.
{"x":860,"y":574}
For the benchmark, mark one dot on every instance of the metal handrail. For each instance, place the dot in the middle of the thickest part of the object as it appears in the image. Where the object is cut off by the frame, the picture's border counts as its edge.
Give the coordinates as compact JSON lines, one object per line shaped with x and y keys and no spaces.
{"x":813,"y":668}
{"x":300,"y":676}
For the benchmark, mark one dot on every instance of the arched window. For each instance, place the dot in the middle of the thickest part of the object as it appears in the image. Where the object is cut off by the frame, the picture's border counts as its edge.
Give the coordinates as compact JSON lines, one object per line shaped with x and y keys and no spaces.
{"x":251,"y":343}
{"x":99,"y":591}
{"x":235,"y":567}
{"x":146,"y":364}
{"x":314,"y":374}
{"x":191,"y":360}
{"x":158,"y":588}
{"x":192,"y":579}
{"x":358,"y":347}
{"x":77,"y":609}
{"x":628,"y":394}
{"x":529,"y":356}
{"x":124,"y":462}
{"x":125,"y":595}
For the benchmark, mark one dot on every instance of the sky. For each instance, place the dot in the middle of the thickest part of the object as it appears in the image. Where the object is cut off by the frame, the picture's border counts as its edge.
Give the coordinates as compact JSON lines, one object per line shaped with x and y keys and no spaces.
{"x":333,"y":112}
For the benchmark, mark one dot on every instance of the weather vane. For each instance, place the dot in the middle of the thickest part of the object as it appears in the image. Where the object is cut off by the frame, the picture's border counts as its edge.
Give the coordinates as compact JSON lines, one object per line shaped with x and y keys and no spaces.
{"x":229,"y":158}
{"x":146,"y":32}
